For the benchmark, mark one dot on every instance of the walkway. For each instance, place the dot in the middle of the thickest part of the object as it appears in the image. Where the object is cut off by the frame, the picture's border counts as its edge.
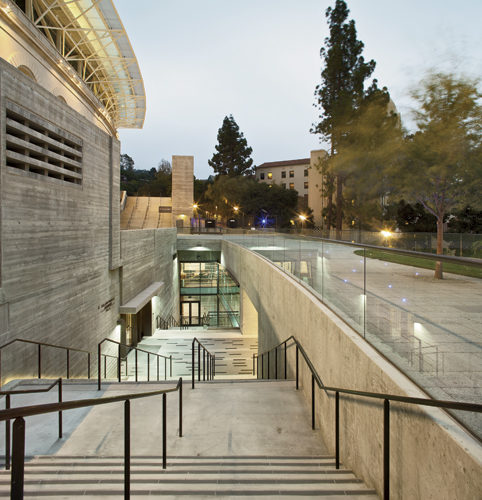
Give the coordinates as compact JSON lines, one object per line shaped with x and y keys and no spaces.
{"x":240,"y":439}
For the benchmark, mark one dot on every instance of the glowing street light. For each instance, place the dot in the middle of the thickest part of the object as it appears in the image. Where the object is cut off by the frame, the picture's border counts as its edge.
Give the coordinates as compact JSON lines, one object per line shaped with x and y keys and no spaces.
{"x":302,"y":218}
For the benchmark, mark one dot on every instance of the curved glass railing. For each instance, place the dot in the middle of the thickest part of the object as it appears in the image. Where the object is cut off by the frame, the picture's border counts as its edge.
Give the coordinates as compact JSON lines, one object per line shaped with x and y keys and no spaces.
{"x":430,"y":329}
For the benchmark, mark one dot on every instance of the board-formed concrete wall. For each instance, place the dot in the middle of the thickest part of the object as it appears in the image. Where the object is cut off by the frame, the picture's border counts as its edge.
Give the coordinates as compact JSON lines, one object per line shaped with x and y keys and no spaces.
{"x":59,"y":241}
{"x":147,"y":257}
{"x":431,"y":456}
{"x":63,"y":275}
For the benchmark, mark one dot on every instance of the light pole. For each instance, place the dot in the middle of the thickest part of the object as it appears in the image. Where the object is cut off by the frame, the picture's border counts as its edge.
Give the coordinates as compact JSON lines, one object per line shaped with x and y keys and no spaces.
{"x":196,"y":215}
{"x":302,"y":219}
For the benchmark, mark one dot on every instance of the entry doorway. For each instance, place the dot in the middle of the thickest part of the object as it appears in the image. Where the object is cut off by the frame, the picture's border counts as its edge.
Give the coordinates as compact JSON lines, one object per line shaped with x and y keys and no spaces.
{"x":191,"y":313}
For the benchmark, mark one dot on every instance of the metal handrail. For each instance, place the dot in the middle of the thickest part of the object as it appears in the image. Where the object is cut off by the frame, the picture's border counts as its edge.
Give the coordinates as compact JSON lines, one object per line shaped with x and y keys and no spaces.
{"x":7,"y":395}
{"x":208,"y":363}
{"x":39,"y":355}
{"x":119,"y":358}
{"x":18,"y":455}
{"x":453,"y":405}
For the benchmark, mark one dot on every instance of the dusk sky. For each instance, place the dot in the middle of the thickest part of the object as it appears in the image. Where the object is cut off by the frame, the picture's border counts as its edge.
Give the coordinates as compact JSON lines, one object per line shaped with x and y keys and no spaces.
{"x":259,"y":61}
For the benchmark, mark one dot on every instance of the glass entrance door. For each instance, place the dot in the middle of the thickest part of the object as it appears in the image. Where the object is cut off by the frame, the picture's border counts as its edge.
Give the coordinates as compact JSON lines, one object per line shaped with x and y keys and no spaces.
{"x":191,"y":313}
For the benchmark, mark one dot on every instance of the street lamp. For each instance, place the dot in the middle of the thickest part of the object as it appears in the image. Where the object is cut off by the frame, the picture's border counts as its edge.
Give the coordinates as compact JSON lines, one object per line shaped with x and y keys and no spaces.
{"x":302,"y":218}
{"x":196,"y":214}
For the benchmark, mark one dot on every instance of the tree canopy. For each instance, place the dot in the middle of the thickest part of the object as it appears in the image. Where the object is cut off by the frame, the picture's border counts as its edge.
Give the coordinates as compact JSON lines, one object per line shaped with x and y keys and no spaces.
{"x":252,"y":199}
{"x":442,"y":164}
{"x":233,"y":155}
{"x":340,"y":93}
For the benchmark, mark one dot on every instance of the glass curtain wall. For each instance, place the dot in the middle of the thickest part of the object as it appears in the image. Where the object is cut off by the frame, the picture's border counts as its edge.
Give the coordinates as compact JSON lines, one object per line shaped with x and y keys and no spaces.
{"x":209,"y":295}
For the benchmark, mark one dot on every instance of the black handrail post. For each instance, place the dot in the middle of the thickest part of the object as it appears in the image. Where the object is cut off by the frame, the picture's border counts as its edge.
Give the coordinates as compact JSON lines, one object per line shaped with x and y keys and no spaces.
{"x":119,"y":363}
{"x":312,"y":401}
{"x":39,"y":361}
{"x":148,"y":367}
{"x":337,"y":429}
{"x":99,"y":361}
{"x":60,"y":412}
{"x":254,"y":373}
{"x":276,"y":363}
{"x":285,"y":362}
{"x":68,"y":364}
{"x":198,"y":362}
{"x":165,"y":369}
{"x":127,"y":449}
{"x":208,"y":359}
{"x":158,"y":368}
{"x":7,"y":435}
{"x":386,"y":449}
{"x":257,"y":367}
{"x":214,"y":366}
{"x":192,"y":365}
{"x":105,"y":366}
{"x":180,"y":407}
{"x":204,"y":364}
{"x":170,"y":365}
{"x":164,"y":423}
{"x":262,"y":365}
{"x":268,"y":365}
{"x":297,"y":370}
{"x":18,"y":459}
{"x":136,"y":362}
{"x":88,"y":365}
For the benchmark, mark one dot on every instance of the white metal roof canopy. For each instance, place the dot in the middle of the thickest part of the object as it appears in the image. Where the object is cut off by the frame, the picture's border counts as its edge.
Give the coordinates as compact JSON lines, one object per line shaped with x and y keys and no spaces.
{"x":90,"y":36}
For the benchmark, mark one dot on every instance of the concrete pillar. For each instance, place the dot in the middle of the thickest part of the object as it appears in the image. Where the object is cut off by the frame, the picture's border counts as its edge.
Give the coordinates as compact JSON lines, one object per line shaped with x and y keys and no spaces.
{"x":248,"y":316}
{"x":182,"y":190}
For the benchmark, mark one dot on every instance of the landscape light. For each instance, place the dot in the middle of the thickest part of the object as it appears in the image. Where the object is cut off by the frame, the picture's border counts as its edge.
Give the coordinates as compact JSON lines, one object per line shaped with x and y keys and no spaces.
{"x":385,"y":233}
{"x":195,"y":206}
{"x":302,"y":217}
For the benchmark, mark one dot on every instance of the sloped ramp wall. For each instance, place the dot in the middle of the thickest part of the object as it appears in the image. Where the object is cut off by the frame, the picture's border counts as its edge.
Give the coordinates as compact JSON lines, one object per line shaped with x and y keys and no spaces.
{"x":430,"y":455}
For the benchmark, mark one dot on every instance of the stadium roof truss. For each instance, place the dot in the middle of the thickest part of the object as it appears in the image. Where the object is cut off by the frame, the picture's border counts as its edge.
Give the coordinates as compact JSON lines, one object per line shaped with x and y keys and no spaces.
{"x":92,"y":40}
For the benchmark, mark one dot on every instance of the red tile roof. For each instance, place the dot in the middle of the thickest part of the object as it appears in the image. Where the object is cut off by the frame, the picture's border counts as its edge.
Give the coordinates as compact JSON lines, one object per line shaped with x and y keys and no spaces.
{"x":286,"y":163}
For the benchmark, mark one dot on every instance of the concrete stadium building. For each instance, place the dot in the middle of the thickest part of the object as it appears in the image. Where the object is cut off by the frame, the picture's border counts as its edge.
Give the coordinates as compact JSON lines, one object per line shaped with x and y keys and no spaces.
{"x":68,"y":80}
{"x":69,"y":276}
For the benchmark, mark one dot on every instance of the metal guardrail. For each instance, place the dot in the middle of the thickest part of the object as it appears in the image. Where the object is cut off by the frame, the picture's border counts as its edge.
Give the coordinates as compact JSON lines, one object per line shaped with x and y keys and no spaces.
{"x":119,"y":359}
{"x":18,"y":414}
{"x":39,"y":345}
{"x":387,"y":398}
{"x":208,"y":363}
{"x":8,"y":395}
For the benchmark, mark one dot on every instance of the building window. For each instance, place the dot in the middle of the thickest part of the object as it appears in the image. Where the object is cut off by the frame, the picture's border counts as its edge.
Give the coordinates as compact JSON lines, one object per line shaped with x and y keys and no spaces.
{"x":261,"y":176}
{"x":305,"y":173}
{"x":40,"y":149}
{"x":292,"y":173}
{"x":270,"y":175}
{"x":292,"y":185}
{"x":306,"y":184}
{"x":283,"y":185}
{"x":283,"y":174}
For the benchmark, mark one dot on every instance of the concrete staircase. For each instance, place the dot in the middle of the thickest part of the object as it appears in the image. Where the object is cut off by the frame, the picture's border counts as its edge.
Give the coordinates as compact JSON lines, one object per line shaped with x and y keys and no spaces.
{"x":233,"y":351}
{"x":241,"y":438}
{"x":190,"y":476}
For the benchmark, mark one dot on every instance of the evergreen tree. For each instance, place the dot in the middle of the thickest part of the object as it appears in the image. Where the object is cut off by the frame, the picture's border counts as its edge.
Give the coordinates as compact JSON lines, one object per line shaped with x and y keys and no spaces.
{"x":341,"y":90}
{"x":232,"y":155}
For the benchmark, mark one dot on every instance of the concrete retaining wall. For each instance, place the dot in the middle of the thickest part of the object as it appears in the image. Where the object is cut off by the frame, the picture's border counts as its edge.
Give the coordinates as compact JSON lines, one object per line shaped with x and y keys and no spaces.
{"x":430,"y":455}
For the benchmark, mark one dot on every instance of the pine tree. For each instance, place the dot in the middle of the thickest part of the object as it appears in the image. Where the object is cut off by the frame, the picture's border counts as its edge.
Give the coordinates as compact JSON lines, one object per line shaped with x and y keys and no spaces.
{"x":232,"y":155}
{"x":341,"y":89}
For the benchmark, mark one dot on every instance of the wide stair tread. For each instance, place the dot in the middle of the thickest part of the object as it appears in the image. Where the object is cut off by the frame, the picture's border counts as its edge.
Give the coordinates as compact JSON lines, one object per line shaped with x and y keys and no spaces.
{"x":250,"y":476}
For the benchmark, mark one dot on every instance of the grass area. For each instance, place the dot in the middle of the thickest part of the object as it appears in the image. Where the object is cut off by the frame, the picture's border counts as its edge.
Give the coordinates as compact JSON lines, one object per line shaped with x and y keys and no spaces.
{"x":448,"y":267}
